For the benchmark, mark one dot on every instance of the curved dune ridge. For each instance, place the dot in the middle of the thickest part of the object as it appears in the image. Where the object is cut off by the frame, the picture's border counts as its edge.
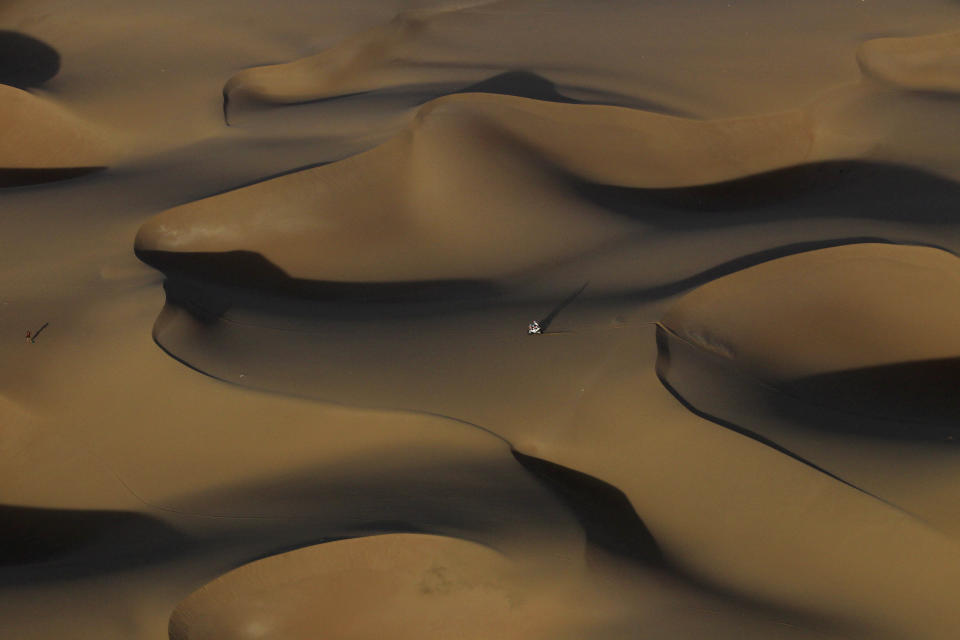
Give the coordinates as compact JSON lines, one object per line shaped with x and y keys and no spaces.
{"x":868,"y":329}
{"x":845,"y":359}
{"x":476,"y":187}
{"x":42,"y":141}
{"x":376,"y":59}
{"x":409,"y":584}
{"x":823,"y":312}
{"x":921,"y":63}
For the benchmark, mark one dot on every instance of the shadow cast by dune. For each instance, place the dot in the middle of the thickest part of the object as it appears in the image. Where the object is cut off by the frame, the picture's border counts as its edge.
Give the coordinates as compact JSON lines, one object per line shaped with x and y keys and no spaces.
{"x":52,"y":544}
{"x":828,"y":432}
{"x":26,"y":177}
{"x":605,"y":513}
{"x":479,"y":498}
{"x":834,"y":189}
{"x":748,"y":260}
{"x":518,"y":83}
{"x":522,"y":84}
{"x":249,"y":270}
{"x":681,"y":367}
{"x":25,"y":61}
{"x":909,"y":400}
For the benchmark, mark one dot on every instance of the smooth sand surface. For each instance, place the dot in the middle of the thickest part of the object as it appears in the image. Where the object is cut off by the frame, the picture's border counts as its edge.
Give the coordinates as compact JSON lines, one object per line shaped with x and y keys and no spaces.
{"x":278,"y":264}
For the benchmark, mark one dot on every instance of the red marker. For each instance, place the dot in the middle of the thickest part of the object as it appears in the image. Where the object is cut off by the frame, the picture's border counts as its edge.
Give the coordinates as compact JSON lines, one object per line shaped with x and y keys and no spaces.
{"x":28,"y":337}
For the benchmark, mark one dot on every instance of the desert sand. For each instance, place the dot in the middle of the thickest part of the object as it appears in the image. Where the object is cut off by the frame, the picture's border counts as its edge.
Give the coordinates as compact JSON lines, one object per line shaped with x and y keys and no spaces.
{"x":278,"y":261}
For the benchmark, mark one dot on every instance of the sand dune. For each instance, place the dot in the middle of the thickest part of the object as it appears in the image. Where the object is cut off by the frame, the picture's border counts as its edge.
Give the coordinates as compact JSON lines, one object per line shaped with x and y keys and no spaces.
{"x":414,"y":584}
{"x":826,"y":311}
{"x":373,"y":60}
{"x":458,"y":144}
{"x":412,"y":200}
{"x":922,"y":63}
{"x":43,"y":142}
{"x":320,"y":412}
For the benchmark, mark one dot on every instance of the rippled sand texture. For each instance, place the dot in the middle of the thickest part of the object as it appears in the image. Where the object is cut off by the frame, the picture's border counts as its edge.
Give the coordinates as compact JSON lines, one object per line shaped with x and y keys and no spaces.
{"x":278,"y":263}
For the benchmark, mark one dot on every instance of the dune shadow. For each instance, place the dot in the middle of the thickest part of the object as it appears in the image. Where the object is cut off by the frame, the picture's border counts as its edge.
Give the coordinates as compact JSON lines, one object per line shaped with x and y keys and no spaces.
{"x":608,"y":519}
{"x":209,"y":283}
{"x":47,"y":544}
{"x":915,"y":400}
{"x":25,"y":61}
{"x":668,"y":289}
{"x":25,"y":177}
{"x":520,"y":84}
{"x":477,"y":498}
{"x":906,"y":401}
{"x":833,"y":189}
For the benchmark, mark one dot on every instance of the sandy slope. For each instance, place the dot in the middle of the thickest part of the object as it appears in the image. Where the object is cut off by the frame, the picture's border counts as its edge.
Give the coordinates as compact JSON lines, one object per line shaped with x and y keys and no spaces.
{"x":42,"y":142}
{"x":742,"y":427}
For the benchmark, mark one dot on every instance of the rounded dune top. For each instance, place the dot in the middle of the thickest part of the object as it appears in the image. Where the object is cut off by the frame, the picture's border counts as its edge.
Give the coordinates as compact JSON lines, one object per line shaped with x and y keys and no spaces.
{"x":37,"y":133}
{"x":396,"y":586}
{"x":843,"y":308}
{"x":921,"y":63}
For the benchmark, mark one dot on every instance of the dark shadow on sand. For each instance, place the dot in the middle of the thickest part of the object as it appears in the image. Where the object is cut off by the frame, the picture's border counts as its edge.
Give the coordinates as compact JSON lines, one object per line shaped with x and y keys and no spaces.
{"x":907,"y":401}
{"x":836,"y":189}
{"x":52,"y":544}
{"x":25,"y":61}
{"x":748,"y":260}
{"x":26,"y":177}
{"x":36,"y":334}
{"x":548,"y":319}
{"x":521,"y":84}
{"x":675,"y":383}
{"x":605,"y":513}
{"x":917,"y":400}
{"x":250,"y":270}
